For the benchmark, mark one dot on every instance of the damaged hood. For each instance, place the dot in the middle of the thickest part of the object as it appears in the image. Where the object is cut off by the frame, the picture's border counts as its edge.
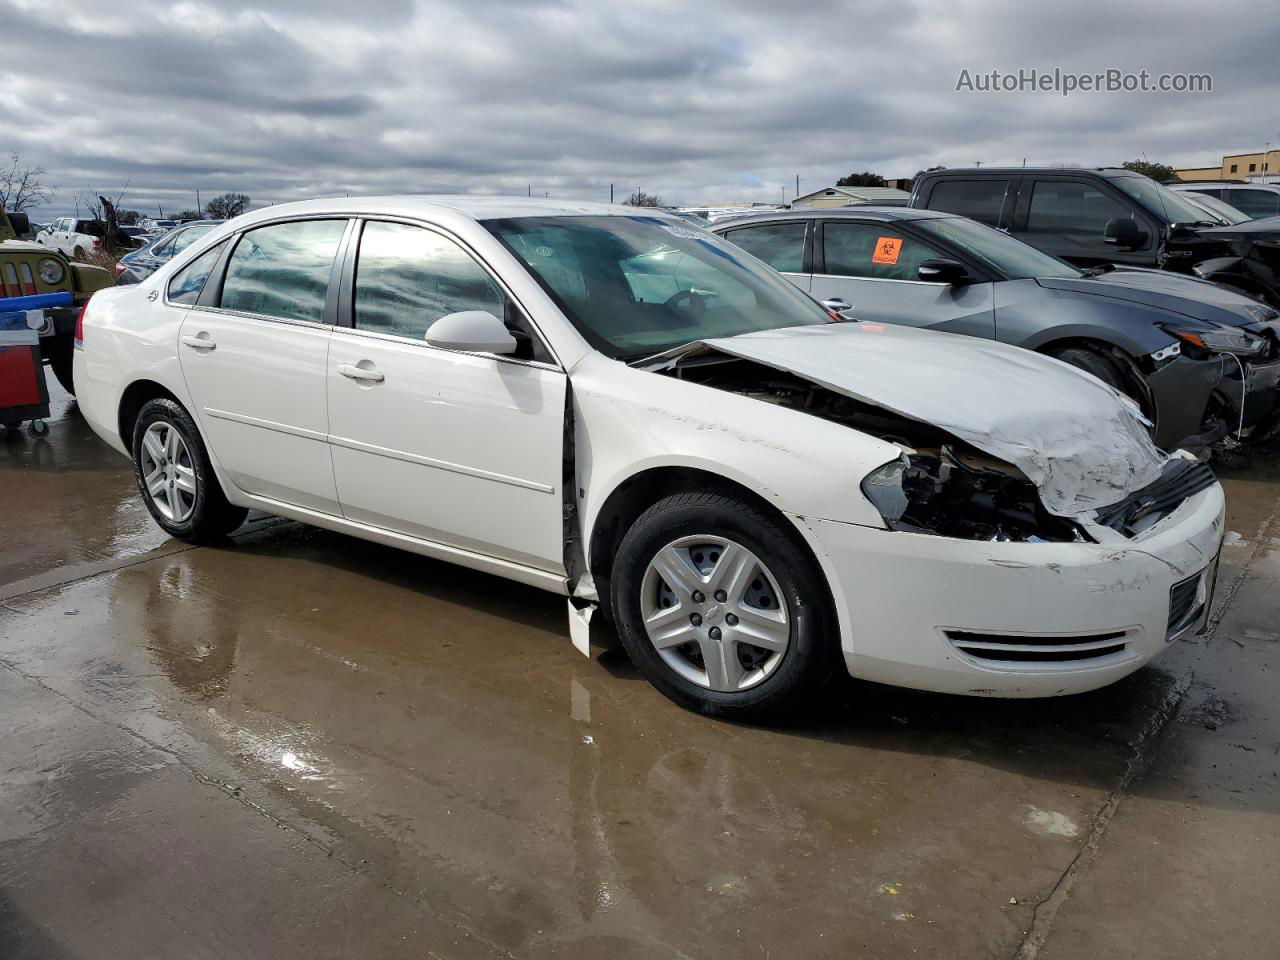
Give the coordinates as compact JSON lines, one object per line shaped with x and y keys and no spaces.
{"x":1081,"y":443}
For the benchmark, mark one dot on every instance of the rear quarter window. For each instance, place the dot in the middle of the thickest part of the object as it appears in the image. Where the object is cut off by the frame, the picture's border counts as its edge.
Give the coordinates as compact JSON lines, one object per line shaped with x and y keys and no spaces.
{"x":980,"y":200}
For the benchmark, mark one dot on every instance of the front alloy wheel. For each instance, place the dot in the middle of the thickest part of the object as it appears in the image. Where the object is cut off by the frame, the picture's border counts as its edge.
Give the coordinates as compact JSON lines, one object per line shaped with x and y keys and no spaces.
{"x":714,"y":613}
{"x":721,"y":606}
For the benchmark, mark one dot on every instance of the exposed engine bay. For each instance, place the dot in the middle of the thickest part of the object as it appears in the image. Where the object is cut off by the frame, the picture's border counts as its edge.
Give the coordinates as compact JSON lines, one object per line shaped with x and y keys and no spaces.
{"x":941,"y":485}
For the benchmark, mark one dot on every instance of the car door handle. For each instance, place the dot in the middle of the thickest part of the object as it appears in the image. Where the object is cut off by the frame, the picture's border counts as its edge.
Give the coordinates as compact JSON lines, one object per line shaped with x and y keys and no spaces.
{"x":838,"y":304}
{"x":200,"y":343}
{"x":353,"y":372}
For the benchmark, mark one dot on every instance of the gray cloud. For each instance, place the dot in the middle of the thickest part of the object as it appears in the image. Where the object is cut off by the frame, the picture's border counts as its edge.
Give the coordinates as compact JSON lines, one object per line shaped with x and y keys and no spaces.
{"x":714,"y":100}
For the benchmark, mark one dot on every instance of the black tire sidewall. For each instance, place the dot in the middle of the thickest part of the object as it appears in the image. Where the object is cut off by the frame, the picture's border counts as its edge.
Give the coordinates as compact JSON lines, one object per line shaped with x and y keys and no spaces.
{"x":203,"y":523}
{"x":809,"y":650}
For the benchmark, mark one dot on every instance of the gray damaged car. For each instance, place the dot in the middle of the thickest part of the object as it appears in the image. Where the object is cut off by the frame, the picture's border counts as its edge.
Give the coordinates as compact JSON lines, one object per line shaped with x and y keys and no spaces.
{"x":1201,"y":361}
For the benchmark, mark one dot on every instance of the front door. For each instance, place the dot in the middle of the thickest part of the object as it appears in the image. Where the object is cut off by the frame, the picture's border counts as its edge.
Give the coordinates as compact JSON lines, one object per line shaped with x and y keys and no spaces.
{"x":254,"y":363}
{"x":873,"y":266}
{"x":457,"y":448}
{"x":1067,"y":218}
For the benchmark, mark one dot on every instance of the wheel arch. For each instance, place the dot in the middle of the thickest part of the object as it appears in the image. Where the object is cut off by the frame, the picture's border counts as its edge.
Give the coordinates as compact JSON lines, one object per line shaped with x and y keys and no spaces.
{"x":1115,"y":351}
{"x":133,"y":399}
{"x":639,"y":491}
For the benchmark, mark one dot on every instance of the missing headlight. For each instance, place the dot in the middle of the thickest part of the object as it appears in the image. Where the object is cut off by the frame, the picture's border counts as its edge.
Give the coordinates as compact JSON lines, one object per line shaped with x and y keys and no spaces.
{"x":944,"y":495}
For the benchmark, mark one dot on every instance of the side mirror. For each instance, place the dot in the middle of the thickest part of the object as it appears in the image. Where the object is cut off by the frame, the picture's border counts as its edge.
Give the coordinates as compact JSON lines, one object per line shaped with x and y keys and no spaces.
{"x":473,"y":331}
{"x":1124,"y":232}
{"x":942,"y":270}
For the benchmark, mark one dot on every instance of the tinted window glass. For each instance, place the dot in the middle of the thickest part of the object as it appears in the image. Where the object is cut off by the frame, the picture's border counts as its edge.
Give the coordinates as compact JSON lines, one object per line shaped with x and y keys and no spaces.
{"x":873,"y":250}
{"x":186,"y":284}
{"x":1256,"y":203}
{"x":1072,"y":208}
{"x":1009,"y":256}
{"x":978,"y":199}
{"x":780,"y":245}
{"x":407,"y":278}
{"x":283,"y":270}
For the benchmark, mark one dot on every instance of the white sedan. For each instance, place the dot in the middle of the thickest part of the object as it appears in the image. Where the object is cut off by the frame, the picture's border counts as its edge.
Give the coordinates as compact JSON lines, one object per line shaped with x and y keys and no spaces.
{"x":625,"y":410}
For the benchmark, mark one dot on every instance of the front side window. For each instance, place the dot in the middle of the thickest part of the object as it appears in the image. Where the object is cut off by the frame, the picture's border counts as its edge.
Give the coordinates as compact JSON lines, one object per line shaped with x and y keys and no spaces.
{"x":1072,"y":208}
{"x":977,"y":199}
{"x":409,"y":277}
{"x":780,"y":245}
{"x":186,"y":284}
{"x":875,"y":251}
{"x":282,"y":270}
{"x":636,"y":285}
{"x":1006,"y":255}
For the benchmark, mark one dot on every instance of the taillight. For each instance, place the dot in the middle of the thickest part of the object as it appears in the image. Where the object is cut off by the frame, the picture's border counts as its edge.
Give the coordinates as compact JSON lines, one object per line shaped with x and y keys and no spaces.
{"x":121,"y":268}
{"x":79,"y":344}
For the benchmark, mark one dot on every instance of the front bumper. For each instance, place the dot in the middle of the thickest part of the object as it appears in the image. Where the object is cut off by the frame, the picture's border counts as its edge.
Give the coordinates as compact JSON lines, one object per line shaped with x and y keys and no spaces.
{"x":1251,"y":396}
{"x":957,"y":616}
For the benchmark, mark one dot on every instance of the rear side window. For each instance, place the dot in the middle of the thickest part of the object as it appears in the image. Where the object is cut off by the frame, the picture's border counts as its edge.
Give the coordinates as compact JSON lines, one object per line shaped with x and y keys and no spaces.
{"x":873,"y":251}
{"x":1071,"y":208}
{"x":1256,"y":203}
{"x":186,"y":284}
{"x":780,"y":245}
{"x":979,"y":200}
{"x":282,"y":270}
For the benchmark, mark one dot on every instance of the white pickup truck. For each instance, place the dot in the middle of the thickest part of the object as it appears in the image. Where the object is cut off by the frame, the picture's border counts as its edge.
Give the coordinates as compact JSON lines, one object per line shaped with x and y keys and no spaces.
{"x":73,"y":238}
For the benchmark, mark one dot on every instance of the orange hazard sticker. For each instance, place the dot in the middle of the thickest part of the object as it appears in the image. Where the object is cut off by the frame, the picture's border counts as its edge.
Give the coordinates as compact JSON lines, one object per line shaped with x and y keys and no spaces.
{"x":887,"y":250}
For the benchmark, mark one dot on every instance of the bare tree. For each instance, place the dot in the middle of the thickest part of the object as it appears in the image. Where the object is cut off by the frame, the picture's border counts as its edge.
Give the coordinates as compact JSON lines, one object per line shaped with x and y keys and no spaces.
{"x":642,"y":199}
{"x":227,"y":206}
{"x":21,"y":187}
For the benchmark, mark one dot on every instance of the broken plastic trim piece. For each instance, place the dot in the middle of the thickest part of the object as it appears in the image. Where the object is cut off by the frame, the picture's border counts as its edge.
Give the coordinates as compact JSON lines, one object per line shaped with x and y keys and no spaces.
{"x":580,"y":614}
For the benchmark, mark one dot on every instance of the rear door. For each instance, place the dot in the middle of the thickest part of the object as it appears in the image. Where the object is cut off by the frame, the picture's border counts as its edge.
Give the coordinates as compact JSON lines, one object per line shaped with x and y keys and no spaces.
{"x":253,"y":353}
{"x":873,"y":266}
{"x":1066,"y":216}
{"x":782,"y":244}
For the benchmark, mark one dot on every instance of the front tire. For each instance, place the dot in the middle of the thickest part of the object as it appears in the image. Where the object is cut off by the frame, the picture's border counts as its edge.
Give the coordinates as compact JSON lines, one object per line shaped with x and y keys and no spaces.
{"x":721,"y":607}
{"x":176,"y":478}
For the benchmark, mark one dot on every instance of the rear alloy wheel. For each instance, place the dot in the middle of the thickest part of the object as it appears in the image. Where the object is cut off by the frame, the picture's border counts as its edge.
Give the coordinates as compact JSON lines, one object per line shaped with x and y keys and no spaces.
{"x":720,"y":606}
{"x":176,"y":478}
{"x":1090,"y":361}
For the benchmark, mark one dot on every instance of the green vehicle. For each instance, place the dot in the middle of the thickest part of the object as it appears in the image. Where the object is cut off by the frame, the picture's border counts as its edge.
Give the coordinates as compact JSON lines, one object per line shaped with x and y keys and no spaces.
{"x":29,"y":269}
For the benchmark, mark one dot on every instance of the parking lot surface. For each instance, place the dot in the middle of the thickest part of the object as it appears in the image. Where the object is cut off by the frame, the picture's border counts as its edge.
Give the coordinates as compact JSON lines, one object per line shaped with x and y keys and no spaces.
{"x":298,"y":744}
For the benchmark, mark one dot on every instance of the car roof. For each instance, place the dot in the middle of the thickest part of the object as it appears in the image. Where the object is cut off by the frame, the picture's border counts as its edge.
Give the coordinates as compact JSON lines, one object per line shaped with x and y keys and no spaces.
{"x":473,"y":207}
{"x":1039,"y":171}
{"x":861,"y":211}
{"x":1233,"y":184}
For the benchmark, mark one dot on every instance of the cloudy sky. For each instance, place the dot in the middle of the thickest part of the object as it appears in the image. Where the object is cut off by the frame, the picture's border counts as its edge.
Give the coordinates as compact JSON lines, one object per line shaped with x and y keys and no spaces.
{"x":696,"y":100}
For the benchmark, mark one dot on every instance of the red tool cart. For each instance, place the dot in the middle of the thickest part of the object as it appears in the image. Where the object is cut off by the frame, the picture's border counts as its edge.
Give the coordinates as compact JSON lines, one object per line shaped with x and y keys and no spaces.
{"x":23,"y":392}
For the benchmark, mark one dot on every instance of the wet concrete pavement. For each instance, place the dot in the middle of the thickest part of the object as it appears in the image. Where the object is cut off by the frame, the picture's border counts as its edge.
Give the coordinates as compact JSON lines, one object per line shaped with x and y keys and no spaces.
{"x":299,"y":744}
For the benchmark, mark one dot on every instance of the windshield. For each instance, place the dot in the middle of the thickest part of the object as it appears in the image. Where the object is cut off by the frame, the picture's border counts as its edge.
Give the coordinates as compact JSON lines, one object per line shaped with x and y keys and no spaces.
{"x":638,"y":285}
{"x":995,"y":248}
{"x":1160,"y":200}
{"x":1217,"y":209}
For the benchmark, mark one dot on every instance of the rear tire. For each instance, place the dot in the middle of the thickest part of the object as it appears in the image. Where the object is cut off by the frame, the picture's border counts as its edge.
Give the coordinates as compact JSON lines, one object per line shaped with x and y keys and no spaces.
{"x":77,"y":254}
{"x":696,"y":645}
{"x":176,"y":478}
{"x":61,"y":354}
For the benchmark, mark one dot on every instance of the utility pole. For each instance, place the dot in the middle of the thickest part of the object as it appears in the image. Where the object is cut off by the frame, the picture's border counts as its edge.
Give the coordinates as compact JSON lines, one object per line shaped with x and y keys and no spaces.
{"x":199,"y":207}
{"x":530,"y":190}
{"x":797,"y":185}
{"x":611,"y":193}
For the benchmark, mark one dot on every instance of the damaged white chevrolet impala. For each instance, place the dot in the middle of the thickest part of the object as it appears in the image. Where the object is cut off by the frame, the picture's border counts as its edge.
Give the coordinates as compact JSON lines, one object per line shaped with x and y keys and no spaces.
{"x":637,"y":415}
